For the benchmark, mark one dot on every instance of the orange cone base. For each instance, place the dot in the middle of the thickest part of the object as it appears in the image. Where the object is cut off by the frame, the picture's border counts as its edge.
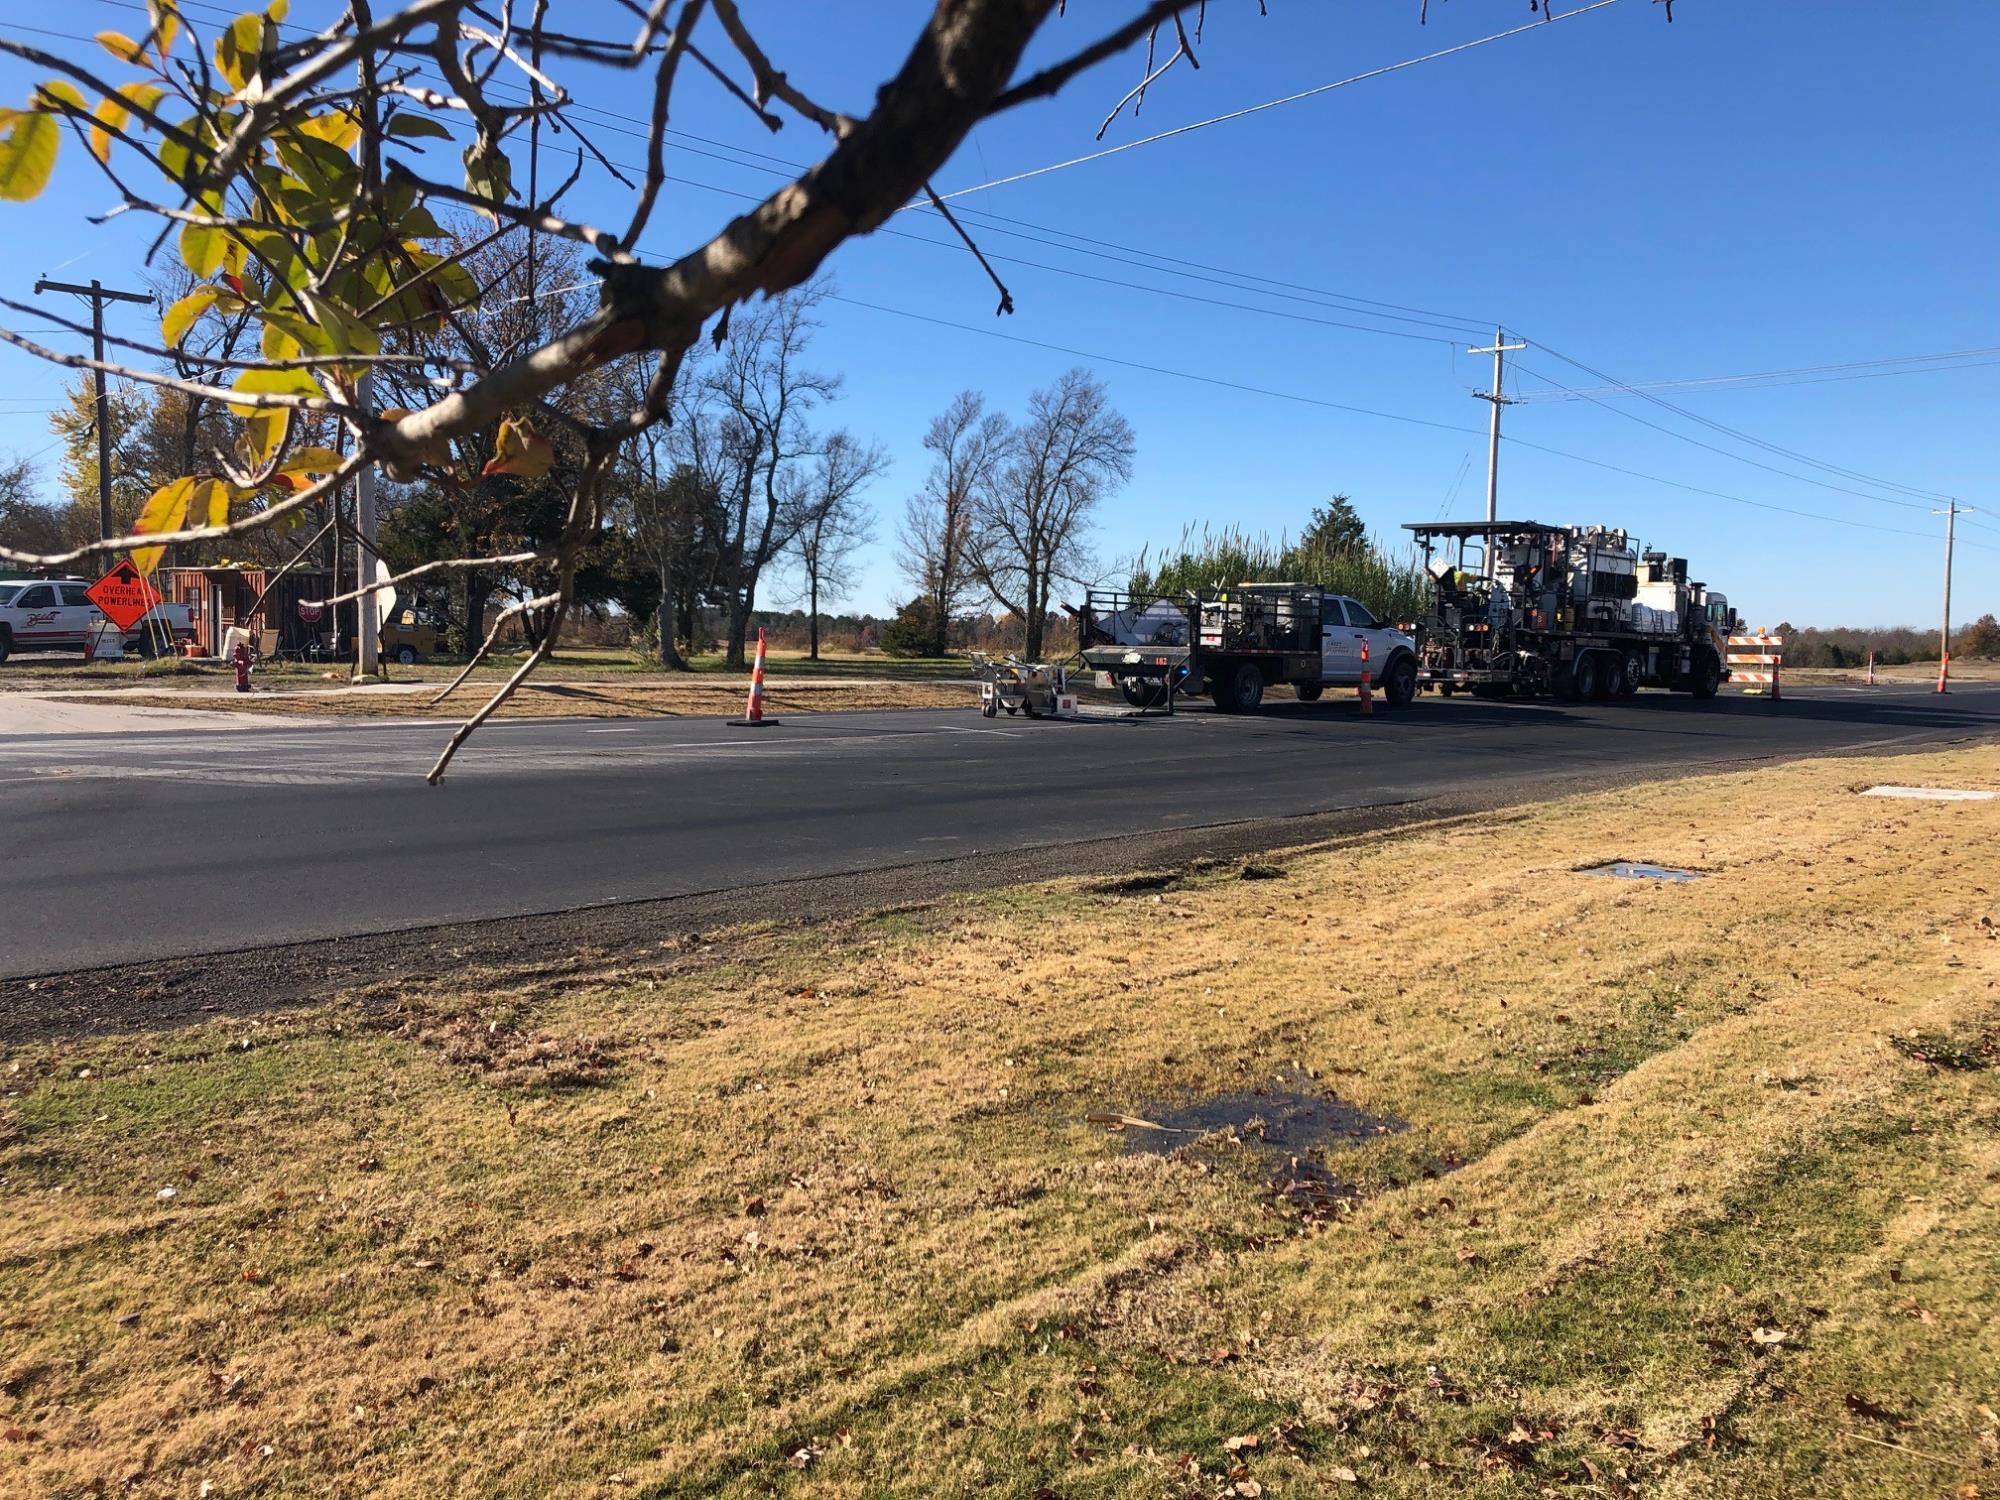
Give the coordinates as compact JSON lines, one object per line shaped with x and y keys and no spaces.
{"x":751,"y":723}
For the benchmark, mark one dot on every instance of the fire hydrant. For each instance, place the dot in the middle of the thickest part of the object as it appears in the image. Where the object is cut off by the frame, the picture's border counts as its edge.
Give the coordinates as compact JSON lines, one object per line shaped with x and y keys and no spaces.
{"x":241,"y":657}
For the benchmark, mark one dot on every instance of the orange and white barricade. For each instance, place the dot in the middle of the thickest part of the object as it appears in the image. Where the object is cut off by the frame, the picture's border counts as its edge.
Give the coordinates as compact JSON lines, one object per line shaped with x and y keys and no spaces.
{"x":1758,"y":661}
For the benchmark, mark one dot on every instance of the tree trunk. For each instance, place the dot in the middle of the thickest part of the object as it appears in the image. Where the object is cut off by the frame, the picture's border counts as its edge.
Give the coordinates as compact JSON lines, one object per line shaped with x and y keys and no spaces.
{"x":812,"y":617}
{"x":670,"y":650}
{"x":1031,"y":624}
{"x":477,"y":592}
{"x":741,"y":602}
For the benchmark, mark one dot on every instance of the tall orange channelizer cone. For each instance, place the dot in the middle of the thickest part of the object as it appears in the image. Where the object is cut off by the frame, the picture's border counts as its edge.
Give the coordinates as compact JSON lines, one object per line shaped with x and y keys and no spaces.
{"x":1871,"y":669}
{"x":753,"y":711}
{"x":1367,"y":680}
{"x":1944,"y":671}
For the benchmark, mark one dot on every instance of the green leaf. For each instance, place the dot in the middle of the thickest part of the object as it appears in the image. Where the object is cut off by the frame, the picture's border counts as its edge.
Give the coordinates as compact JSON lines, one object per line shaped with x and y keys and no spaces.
{"x":181,"y":316}
{"x":272,"y":383}
{"x":487,"y":171}
{"x":311,"y":461}
{"x":408,"y":127}
{"x":208,"y":503}
{"x":27,"y":156}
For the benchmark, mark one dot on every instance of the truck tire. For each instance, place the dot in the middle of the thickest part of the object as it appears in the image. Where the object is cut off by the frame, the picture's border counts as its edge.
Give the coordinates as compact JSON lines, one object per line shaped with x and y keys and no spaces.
{"x":1239,"y":689}
{"x":1629,"y":674}
{"x":1399,"y":683}
{"x":1589,"y":675}
{"x":6,"y":642}
{"x":1308,"y":691}
{"x":1707,"y":675}
{"x":406,"y":655}
{"x":1142,"y":692}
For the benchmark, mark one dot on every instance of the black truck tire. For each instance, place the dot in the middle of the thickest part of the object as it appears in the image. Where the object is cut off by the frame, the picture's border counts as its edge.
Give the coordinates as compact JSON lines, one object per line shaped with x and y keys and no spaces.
{"x":1629,"y":674}
{"x":1399,"y":682}
{"x":6,"y":642}
{"x":1142,"y":692}
{"x":1239,"y":689}
{"x":1589,"y":675}
{"x":1707,"y":675}
{"x":1308,"y":691}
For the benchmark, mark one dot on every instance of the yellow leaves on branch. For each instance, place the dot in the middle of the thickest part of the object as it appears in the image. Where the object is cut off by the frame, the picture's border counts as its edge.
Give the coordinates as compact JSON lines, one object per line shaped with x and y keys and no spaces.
{"x":520,"y":451}
{"x":28,"y":141}
{"x":197,"y":499}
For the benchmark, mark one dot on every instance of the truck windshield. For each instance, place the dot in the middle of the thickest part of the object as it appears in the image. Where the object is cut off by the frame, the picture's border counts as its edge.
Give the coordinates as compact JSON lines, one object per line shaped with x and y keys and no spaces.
{"x":1359,"y":617}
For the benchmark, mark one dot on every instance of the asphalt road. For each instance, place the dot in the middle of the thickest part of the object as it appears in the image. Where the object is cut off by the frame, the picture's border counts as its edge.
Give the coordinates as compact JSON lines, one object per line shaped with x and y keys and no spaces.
{"x":122,"y":847}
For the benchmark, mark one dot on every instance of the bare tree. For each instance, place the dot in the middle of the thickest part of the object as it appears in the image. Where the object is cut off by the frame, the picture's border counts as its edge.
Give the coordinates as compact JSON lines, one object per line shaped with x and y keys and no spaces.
{"x":836,"y":524}
{"x":1029,"y":526}
{"x":967,"y":444}
{"x":748,"y":435}
{"x":25,"y":522}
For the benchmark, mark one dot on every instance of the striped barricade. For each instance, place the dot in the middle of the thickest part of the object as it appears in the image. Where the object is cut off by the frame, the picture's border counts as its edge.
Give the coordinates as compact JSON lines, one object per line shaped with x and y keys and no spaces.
{"x":1757,"y":661}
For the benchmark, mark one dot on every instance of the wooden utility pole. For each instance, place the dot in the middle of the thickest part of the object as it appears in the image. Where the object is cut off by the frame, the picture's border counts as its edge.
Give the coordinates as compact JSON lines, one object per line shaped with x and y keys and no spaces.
{"x":98,"y":294}
{"x":1950,"y":514}
{"x":1497,"y":396}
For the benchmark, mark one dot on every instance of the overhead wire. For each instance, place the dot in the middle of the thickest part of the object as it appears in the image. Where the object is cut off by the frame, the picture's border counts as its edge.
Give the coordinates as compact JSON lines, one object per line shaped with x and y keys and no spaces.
{"x":1296,"y":292}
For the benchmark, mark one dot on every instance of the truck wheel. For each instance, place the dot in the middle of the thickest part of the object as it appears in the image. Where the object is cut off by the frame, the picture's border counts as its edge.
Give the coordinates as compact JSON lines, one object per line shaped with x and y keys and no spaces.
{"x":1707,"y":675}
{"x":1142,"y":692}
{"x":1399,"y":683}
{"x":1629,"y":674}
{"x":1308,"y":691}
{"x":1240,"y":690}
{"x":407,"y":655}
{"x":6,"y":643}
{"x":1589,"y":675}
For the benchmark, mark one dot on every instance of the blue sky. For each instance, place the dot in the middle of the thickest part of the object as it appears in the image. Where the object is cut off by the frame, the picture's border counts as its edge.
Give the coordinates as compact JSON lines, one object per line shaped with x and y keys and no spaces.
{"x":1756,"y":187}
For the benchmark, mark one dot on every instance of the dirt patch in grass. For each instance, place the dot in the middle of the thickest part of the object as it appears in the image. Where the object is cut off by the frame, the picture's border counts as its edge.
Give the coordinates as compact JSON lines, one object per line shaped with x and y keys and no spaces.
{"x":1692,"y":1198}
{"x":647,"y":697}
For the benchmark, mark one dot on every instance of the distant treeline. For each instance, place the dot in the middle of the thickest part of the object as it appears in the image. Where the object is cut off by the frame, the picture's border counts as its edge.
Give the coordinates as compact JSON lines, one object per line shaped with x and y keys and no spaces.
{"x":1896,"y":645}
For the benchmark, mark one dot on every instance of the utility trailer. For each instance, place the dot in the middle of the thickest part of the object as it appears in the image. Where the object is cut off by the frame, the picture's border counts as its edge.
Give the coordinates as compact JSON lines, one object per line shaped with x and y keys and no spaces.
{"x":1233,"y":643}
{"x":1525,"y":608}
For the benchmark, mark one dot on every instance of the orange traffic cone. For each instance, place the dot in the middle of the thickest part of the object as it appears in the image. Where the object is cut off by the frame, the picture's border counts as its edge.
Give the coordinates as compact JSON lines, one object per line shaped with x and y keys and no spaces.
{"x":753,"y":711}
{"x":1944,"y":671}
{"x":1367,"y":680}
{"x":1871,"y":669}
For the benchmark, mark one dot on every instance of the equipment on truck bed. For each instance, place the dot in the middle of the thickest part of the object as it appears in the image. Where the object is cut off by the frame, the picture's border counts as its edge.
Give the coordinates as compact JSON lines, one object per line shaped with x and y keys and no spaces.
{"x":1524,"y":607}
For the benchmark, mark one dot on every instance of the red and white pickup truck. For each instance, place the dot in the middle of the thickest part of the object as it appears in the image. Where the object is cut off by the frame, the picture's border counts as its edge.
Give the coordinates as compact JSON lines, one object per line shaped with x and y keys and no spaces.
{"x":52,"y":614}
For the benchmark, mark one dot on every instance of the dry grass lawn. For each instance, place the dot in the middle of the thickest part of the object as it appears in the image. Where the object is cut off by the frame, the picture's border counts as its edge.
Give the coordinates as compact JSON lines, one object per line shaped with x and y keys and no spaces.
{"x":639,"y":697}
{"x":1700,"y":1193}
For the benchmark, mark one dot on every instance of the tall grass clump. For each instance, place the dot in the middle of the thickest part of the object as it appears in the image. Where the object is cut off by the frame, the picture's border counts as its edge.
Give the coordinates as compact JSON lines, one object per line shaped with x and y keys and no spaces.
{"x":1394,"y":587}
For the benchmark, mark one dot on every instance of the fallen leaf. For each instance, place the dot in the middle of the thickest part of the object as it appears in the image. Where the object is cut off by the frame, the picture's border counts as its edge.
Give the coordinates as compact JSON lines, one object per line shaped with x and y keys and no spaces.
{"x":1768,"y":1336}
{"x":1238,"y":1444}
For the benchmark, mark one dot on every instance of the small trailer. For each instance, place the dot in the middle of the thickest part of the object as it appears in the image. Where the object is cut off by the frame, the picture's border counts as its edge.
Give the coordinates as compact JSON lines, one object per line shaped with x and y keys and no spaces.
{"x":1037,"y":689}
{"x":1522,"y":608}
{"x":1233,"y":643}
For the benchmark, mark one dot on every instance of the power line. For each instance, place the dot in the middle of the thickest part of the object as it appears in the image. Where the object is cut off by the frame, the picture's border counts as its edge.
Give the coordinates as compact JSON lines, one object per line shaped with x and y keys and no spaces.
{"x":1238,"y":114}
{"x":1564,"y":393}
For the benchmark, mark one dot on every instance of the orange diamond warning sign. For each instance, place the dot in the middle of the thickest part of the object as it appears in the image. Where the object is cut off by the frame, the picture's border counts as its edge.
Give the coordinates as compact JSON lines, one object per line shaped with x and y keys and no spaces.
{"x":123,"y":596}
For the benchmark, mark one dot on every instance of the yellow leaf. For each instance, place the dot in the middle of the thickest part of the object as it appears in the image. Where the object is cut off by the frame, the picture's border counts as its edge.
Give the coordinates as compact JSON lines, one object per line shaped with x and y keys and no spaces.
{"x":27,"y":156}
{"x":210,"y":501}
{"x":271,"y":383}
{"x":114,"y":109}
{"x":277,"y":10}
{"x":121,"y":46}
{"x":202,"y":249}
{"x":48,"y":94}
{"x":311,"y":461}
{"x":239,"y":50}
{"x":520,"y":450}
{"x":166,"y":22}
{"x":338,"y":128}
{"x":181,"y":316}
{"x":265,"y":434}
{"x":164,"y":511}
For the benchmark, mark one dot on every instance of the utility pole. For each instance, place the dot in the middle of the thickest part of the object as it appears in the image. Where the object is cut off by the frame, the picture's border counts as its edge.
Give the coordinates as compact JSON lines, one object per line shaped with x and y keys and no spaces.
{"x":368,"y":608}
{"x":1497,"y":396}
{"x":98,"y":294}
{"x":1950,"y":514}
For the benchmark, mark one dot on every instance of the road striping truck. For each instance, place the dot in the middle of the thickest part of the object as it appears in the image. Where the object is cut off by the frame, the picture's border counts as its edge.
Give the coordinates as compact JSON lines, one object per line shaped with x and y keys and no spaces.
{"x":1233,"y":643}
{"x":54,"y":614}
{"x":1522,"y":608}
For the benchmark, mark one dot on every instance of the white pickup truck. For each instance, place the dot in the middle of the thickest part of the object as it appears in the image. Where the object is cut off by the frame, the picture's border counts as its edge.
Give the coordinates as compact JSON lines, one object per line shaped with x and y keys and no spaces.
{"x":52,"y":614}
